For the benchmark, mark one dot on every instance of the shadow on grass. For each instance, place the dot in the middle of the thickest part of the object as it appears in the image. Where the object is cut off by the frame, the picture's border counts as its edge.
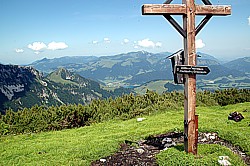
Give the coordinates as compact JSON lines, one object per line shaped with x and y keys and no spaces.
{"x":179,"y":147}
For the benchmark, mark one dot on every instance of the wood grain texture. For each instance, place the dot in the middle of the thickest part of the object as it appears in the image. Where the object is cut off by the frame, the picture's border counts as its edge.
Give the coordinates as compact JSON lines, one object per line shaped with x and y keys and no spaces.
{"x":181,"y":9}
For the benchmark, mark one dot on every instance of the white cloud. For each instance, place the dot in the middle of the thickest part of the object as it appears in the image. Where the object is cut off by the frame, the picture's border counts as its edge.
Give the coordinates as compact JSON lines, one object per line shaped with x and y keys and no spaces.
{"x":106,"y":40}
{"x":57,"y":46}
{"x":37,"y":46}
{"x":158,"y":44}
{"x":95,"y":42}
{"x":18,"y":50}
{"x":146,"y":43}
{"x":199,"y":43}
{"x":37,"y":52}
{"x":249,"y":20}
{"x":125,"y":41}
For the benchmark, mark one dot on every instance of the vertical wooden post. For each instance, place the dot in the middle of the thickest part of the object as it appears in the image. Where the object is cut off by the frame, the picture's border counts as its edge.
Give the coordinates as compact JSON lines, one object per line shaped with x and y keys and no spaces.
{"x":190,"y":79}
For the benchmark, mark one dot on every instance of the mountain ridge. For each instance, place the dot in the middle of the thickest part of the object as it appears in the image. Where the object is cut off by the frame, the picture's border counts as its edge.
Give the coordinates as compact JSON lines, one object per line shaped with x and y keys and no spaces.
{"x":22,"y":87}
{"x":240,"y":64}
{"x":139,"y":67}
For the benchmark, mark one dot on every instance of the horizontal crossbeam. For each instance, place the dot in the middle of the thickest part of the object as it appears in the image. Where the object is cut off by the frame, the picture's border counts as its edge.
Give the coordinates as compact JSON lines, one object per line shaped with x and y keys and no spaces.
{"x":161,"y":9}
{"x":180,"y":9}
{"x":213,"y":9}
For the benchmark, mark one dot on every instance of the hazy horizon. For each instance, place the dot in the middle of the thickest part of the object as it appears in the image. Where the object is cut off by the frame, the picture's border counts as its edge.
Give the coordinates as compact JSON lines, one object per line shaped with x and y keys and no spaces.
{"x":221,"y":59}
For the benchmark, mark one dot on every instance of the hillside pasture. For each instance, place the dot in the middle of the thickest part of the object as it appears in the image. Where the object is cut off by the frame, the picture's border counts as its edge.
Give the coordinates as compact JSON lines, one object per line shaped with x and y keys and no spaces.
{"x":83,"y":145}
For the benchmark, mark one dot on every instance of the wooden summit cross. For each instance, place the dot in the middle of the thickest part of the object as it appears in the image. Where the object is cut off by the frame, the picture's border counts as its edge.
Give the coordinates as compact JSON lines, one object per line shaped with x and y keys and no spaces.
{"x":188,"y":9}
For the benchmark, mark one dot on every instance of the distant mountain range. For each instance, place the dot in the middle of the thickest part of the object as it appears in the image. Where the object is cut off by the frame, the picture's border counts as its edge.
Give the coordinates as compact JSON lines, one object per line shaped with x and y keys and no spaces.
{"x":50,"y":65}
{"x":241,"y":64}
{"x":80,"y":79}
{"x":22,"y":87}
{"x":136,"y":68}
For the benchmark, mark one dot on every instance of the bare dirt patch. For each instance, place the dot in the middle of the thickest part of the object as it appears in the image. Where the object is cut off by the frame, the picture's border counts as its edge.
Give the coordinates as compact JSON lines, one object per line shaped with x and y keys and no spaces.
{"x":142,"y":153}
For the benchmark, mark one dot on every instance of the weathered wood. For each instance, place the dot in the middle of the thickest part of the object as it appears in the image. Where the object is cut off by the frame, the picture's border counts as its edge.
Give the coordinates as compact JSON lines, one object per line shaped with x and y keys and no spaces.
{"x":176,"y":9}
{"x":196,"y":133}
{"x":221,"y":10}
{"x":190,"y":80}
{"x":161,"y":9}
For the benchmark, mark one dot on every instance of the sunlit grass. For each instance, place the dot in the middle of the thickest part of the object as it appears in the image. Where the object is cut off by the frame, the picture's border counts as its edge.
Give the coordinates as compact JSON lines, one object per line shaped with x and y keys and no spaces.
{"x":56,"y":77}
{"x":83,"y":145}
{"x":208,"y":155}
{"x":215,"y":119}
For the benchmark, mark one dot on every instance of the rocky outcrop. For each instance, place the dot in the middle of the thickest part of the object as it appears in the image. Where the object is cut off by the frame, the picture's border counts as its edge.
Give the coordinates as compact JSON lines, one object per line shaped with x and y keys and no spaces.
{"x":15,"y":79}
{"x":10,"y":90}
{"x":25,"y":86}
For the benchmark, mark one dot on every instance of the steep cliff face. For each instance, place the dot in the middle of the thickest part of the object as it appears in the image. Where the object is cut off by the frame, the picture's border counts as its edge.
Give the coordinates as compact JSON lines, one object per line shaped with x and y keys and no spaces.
{"x":15,"y":80}
{"x":22,"y":87}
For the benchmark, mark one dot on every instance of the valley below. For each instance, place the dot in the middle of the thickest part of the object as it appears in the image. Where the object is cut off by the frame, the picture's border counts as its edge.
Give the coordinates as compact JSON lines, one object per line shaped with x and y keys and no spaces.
{"x":135,"y":69}
{"x":81,"y":79}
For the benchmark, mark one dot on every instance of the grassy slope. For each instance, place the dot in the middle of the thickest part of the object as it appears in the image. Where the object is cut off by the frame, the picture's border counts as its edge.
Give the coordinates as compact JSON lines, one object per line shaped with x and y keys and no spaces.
{"x":157,"y":86}
{"x":58,"y":79}
{"x":81,"y":146}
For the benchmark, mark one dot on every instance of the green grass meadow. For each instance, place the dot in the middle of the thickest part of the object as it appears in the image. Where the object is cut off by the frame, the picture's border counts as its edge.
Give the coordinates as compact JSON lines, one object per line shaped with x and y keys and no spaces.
{"x":82,"y":145}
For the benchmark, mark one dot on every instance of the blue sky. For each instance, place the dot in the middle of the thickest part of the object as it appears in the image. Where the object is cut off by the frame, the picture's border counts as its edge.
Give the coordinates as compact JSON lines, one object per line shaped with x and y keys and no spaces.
{"x":33,"y":29}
